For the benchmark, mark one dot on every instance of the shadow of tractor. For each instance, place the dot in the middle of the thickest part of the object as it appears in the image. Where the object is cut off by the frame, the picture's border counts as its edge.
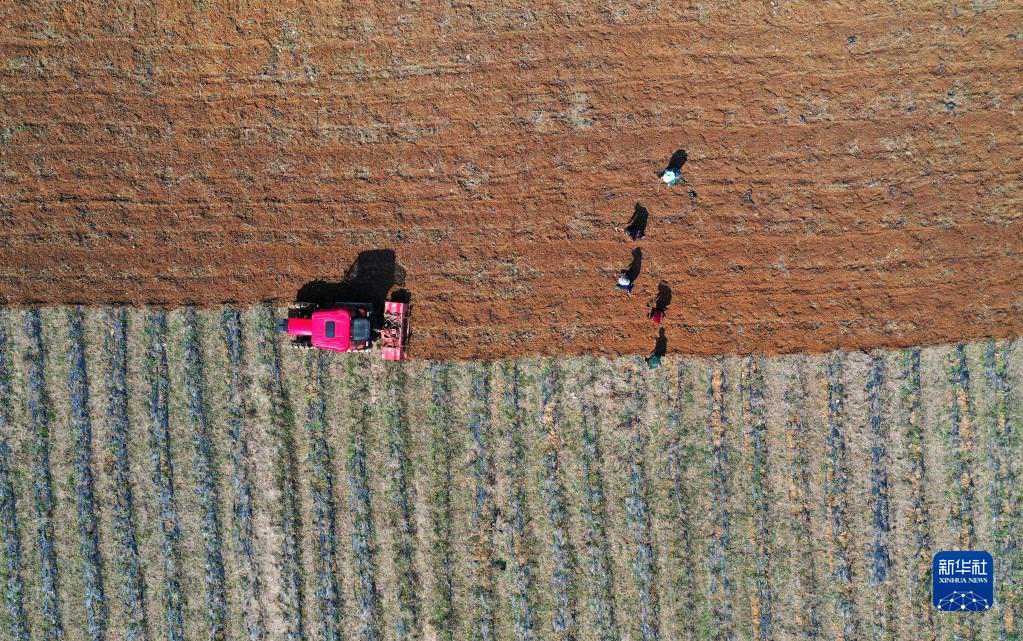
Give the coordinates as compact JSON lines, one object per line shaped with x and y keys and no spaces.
{"x":373,"y":277}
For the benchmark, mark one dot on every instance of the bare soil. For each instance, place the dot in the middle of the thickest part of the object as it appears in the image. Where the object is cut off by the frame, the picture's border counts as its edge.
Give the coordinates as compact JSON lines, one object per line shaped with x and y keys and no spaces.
{"x":855,"y":166}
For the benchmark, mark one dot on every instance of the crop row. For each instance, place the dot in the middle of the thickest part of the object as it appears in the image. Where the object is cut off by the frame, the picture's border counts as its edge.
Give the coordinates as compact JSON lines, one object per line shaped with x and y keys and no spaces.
{"x":637,"y":508}
{"x":364,"y":550}
{"x":440,"y":461}
{"x":573,"y":499}
{"x":238,"y":429}
{"x":807,"y":602}
{"x":520,"y":543}
{"x":158,"y":387}
{"x":37,"y":399}
{"x":88,"y":526}
{"x":321,"y":481}
{"x":401,"y":495}
{"x":961,"y":463}
{"x":1006,"y":498}
{"x":880,"y":565}
{"x":599,"y":565}
{"x":918,"y":516}
{"x":683,"y":461}
{"x":563,"y":576}
{"x":721,"y":592}
{"x":961,"y":445}
{"x":280,"y":418}
{"x":483,"y":515}
{"x":760,"y":497}
{"x":132,"y":589}
{"x":13,"y":586}
{"x":207,"y":478}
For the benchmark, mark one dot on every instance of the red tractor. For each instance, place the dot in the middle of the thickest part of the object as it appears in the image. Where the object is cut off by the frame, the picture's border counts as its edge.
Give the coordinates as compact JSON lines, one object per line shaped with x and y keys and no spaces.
{"x":349,"y":327}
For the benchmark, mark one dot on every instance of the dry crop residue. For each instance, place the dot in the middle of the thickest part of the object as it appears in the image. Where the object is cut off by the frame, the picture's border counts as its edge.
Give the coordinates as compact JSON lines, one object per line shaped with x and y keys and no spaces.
{"x":531,"y":499}
{"x":854,"y":167}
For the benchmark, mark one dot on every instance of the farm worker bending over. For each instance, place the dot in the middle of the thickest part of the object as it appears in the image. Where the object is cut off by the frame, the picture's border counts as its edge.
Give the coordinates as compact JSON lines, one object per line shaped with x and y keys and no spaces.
{"x":660,"y":302}
{"x":624,"y":282}
{"x":672,"y":175}
{"x":660,"y":349}
{"x":637,"y":225}
{"x":628,"y":277}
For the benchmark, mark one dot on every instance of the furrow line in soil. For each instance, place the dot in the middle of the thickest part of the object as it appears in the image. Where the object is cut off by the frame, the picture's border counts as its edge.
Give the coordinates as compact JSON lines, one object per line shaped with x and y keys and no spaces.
{"x":523,"y":96}
{"x":509,"y":31}
{"x":506,"y":52}
{"x":804,"y":272}
{"x":433,"y":218}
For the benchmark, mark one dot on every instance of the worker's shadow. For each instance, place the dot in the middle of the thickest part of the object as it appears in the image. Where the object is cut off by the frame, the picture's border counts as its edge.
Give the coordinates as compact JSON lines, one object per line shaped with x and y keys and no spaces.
{"x":663,"y":298}
{"x":370,"y":279}
{"x":661,"y":345}
{"x":636,"y":266}
{"x":678,"y":159}
{"x":636,"y":228}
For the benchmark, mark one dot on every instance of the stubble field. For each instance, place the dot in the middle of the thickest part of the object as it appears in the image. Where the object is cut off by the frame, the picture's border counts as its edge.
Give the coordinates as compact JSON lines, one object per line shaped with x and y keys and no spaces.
{"x":853,"y":175}
{"x":180,"y":476}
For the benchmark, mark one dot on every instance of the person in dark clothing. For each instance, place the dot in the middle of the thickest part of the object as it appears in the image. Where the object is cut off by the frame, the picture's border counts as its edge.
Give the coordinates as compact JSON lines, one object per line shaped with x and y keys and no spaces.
{"x":659,"y":305}
{"x":636,"y":228}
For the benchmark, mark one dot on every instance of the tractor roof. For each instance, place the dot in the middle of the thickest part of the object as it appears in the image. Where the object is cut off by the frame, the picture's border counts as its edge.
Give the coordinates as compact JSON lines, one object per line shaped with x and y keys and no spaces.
{"x":332,"y":329}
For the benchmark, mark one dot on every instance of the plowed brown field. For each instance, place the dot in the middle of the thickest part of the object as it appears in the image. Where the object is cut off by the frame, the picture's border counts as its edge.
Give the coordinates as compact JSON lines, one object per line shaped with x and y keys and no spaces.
{"x":202,"y":152}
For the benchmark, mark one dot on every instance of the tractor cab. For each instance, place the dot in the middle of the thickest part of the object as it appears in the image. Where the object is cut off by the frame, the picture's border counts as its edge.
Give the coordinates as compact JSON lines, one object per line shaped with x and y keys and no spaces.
{"x":348,"y":327}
